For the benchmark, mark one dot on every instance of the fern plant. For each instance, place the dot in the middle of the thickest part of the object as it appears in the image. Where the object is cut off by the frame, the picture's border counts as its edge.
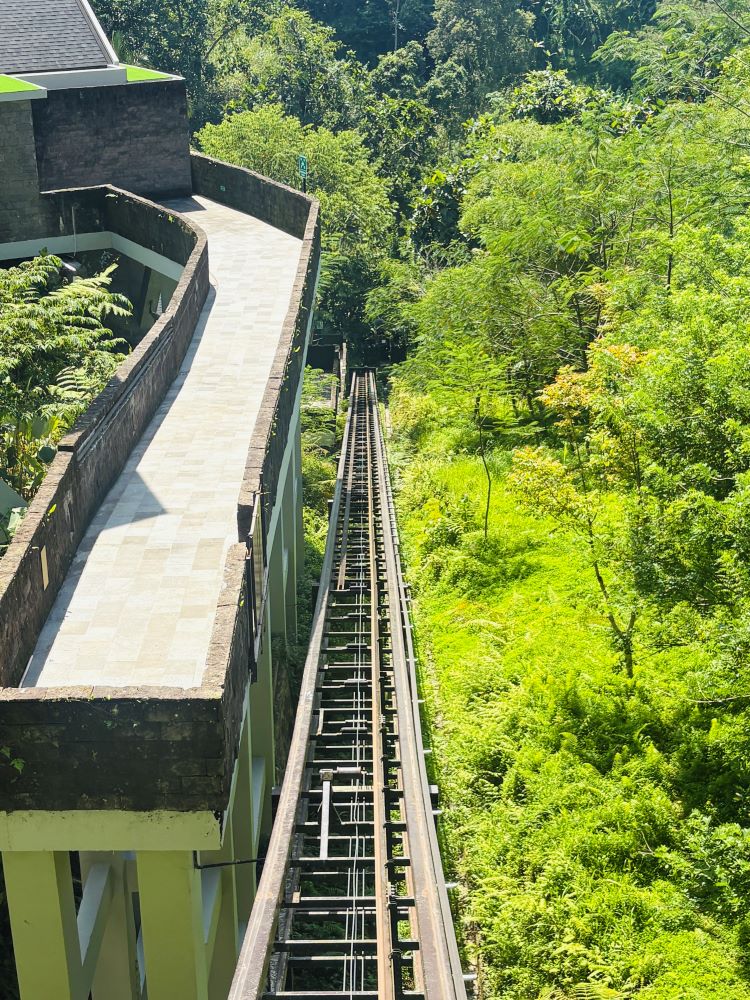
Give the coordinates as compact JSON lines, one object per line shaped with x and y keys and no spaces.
{"x":584,"y":991}
{"x":56,"y":353}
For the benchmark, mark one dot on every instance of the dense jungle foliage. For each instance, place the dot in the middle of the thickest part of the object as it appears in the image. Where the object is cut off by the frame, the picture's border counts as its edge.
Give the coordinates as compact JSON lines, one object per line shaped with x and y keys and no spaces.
{"x":573,"y":431}
{"x":543,"y":208}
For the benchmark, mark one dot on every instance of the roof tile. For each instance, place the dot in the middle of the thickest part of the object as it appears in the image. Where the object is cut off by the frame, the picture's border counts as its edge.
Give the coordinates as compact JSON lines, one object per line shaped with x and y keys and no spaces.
{"x":38,"y":36}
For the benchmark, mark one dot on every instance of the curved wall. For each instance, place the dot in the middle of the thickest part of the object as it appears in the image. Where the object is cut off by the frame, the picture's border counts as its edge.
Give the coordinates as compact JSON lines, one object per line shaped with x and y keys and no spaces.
{"x":151,"y":748}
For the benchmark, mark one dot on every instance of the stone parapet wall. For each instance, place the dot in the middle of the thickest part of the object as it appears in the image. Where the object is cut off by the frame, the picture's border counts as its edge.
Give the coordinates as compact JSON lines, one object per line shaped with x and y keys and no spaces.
{"x":296,"y":214}
{"x":148,"y":748}
{"x":282,"y":207}
{"x":277,"y":204}
{"x":137,"y":749}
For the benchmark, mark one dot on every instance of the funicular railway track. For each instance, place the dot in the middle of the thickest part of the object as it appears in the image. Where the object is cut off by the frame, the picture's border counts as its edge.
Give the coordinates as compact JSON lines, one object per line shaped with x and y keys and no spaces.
{"x":352,"y":901}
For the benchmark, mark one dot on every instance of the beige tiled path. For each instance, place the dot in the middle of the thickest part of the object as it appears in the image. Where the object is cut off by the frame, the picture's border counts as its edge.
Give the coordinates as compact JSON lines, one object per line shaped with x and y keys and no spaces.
{"x":138,"y":604}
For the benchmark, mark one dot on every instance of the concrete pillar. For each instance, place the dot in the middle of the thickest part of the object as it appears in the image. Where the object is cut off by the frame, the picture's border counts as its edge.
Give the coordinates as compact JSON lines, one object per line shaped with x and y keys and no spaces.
{"x":43,"y":921}
{"x":276,"y":588}
{"x":116,"y":976}
{"x":289,"y":521}
{"x":171,"y":905}
{"x":223,"y":953}
{"x":242,"y":823}
{"x":262,"y":723}
{"x":298,"y":497}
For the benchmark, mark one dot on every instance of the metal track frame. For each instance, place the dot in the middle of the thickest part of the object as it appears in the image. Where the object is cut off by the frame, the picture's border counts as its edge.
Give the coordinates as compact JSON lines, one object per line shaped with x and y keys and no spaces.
{"x":352,"y":900}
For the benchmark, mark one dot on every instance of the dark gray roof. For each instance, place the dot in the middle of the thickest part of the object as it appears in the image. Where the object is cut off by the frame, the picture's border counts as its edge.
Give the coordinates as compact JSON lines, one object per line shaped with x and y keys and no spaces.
{"x":38,"y":36}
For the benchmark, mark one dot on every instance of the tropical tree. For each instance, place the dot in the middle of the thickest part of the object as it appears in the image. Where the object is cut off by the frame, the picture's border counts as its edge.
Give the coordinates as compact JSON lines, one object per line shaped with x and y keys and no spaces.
{"x":299,"y":64}
{"x":484,"y":44}
{"x":169,"y":36}
{"x":388,"y":305}
{"x":354,"y":198}
{"x":463,"y":377}
{"x":402,"y":73}
{"x":678,"y":54}
{"x":601,"y":443}
{"x":374,"y":27}
{"x":567,"y":35}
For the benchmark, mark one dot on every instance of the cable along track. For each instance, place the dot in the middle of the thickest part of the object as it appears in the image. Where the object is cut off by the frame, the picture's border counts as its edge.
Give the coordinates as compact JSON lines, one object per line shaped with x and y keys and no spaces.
{"x":352,"y":901}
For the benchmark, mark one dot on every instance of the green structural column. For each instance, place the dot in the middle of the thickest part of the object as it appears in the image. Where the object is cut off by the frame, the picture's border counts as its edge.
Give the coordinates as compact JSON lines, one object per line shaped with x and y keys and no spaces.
{"x":262,"y":722}
{"x":276,"y":589}
{"x":116,"y":975}
{"x":289,"y":520}
{"x":43,"y":922}
{"x":222,"y":943}
{"x":242,"y":822}
{"x":174,"y":944}
{"x":299,"y":523}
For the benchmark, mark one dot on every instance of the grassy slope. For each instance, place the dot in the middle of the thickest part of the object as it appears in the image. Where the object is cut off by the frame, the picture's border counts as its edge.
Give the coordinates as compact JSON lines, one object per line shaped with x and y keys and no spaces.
{"x":571,"y":814}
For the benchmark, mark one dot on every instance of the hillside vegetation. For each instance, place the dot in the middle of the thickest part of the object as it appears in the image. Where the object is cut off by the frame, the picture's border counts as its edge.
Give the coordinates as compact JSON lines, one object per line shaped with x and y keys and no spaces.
{"x":596,"y":823}
{"x":543,"y":209}
{"x":584,"y":367}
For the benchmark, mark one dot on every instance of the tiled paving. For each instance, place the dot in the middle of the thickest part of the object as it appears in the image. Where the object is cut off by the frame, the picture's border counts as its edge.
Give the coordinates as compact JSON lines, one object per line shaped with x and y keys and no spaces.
{"x":138,"y":604}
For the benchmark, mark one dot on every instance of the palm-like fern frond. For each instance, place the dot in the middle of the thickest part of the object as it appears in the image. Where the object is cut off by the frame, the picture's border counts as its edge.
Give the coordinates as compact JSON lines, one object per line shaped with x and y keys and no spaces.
{"x":56,"y":353}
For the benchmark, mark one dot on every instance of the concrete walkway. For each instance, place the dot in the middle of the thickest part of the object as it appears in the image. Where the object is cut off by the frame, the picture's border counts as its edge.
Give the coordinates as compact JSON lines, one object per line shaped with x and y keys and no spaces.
{"x":138,"y":605}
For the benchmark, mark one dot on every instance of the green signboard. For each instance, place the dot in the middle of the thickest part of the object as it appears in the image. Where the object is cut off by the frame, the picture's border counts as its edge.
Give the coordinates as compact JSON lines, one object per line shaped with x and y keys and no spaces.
{"x":302,"y":166}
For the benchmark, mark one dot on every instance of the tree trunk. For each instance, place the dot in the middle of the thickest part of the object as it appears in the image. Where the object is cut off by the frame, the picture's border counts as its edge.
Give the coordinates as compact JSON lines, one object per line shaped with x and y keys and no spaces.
{"x":623,"y":636}
{"x":627,"y":655}
{"x":489,"y":495}
{"x":488,"y":474}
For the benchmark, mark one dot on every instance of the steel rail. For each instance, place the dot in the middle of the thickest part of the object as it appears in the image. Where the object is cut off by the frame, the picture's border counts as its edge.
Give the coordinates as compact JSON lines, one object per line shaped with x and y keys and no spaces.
{"x":385,"y":944}
{"x":255,"y":955}
{"x":352,"y":900}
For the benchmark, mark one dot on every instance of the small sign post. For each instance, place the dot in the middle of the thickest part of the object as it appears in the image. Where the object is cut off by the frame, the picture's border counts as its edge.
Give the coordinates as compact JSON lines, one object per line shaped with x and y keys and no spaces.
{"x":302,"y":171}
